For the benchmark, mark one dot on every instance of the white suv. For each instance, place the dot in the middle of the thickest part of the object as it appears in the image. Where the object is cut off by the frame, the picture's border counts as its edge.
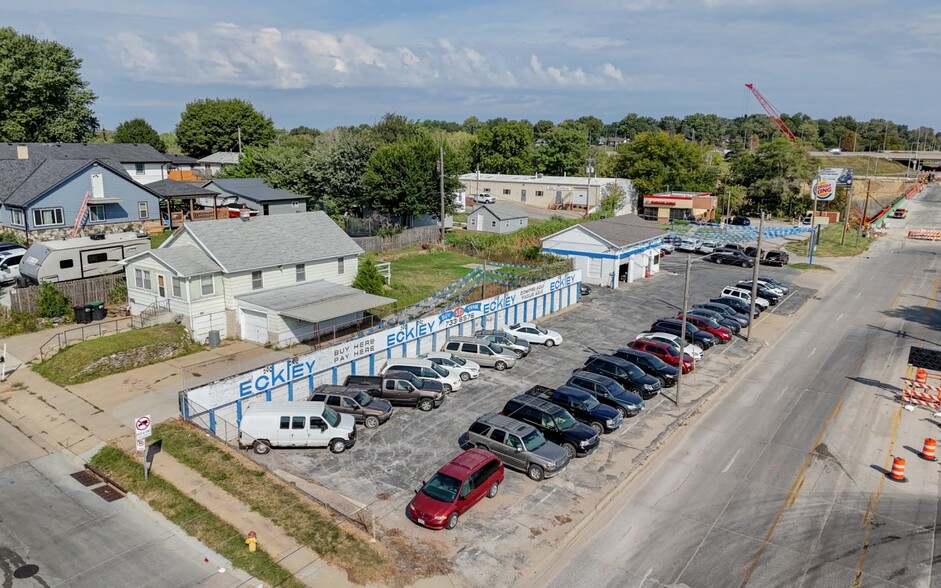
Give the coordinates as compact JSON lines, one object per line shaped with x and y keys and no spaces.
{"x":745,"y":296}
{"x":425,"y":369}
{"x":485,"y":198}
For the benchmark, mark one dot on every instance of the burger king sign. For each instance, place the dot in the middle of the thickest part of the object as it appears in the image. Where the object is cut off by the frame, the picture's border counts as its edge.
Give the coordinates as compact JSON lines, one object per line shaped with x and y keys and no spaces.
{"x":823,"y":190}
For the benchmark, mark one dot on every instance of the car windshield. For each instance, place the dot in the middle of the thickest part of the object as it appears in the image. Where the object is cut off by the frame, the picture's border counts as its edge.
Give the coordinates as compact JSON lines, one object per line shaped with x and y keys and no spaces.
{"x":510,"y":338}
{"x":458,"y":360}
{"x":633,"y":371}
{"x":442,"y":487}
{"x":590,"y":402}
{"x":542,"y":331}
{"x":331,"y":416}
{"x":496,"y":348}
{"x":416,"y":382}
{"x":564,"y":421}
{"x":533,"y":441}
{"x":672,"y":351}
{"x":363,"y":399}
{"x":439,"y":370}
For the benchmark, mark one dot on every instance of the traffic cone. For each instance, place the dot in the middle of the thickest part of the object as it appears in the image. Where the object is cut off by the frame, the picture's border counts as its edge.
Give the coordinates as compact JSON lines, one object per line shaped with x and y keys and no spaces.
{"x":898,"y":470}
{"x":927,"y":452}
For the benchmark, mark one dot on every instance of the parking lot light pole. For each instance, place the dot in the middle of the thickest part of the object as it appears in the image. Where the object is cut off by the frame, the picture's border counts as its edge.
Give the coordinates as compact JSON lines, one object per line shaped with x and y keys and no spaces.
{"x":679,"y":370}
{"x":754,"y":273}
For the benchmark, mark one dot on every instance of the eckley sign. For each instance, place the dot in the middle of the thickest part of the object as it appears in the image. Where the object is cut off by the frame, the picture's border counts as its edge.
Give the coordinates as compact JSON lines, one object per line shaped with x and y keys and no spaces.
{"x":277,"y":374}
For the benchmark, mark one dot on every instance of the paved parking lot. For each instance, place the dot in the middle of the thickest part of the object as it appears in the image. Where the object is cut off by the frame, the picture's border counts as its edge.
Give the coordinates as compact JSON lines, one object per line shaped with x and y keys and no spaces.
{"x":389,"y":463}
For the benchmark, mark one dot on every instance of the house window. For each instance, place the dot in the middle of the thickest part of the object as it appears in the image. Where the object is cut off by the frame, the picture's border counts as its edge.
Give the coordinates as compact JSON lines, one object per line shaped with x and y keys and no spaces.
{"x":538,"y":192}
{"x":340,"y":268}
{"x":506,"y":191}
{"x":521,"y":222}
{"x":139,"y":169}
{"x":16,"y":216}
{"x":300,"y":272}
{"x":45,"y":217}
{"x":142,"y":211}
{"x":493,"y":223}
{"x":96,"y":213}
{"x":257,"y":282}
{"x":177,"y":287}
{"x":206,"y":285}
{"x":142,"y":279}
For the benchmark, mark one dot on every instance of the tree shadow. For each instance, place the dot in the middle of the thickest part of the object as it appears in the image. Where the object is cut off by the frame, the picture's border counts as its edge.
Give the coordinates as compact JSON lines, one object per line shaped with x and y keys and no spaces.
{"x":922,"y":315}
{"x":875,"y":383}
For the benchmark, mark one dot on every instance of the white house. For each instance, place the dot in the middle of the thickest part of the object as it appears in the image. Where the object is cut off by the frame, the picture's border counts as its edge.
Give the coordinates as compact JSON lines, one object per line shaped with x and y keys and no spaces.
{"x":610,"y":250}
{"x":213,"y":164}
{"x":270,"y":279}
{"x":555,"y":192}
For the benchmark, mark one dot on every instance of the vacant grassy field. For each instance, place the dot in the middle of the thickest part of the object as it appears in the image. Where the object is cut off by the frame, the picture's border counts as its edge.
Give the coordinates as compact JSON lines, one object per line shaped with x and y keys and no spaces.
{"x":69,"y":365}
{"x":828,"y":243}
{"x":806,"y":266}
{"x":158,"y":239}
{"x":418,"y":273}
{"x":192,"y":517}
{"x":863,"y":165}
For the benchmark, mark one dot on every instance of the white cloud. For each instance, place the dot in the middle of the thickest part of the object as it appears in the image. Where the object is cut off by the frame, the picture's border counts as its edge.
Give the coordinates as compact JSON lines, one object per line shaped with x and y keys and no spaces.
{"x":612,"y":72}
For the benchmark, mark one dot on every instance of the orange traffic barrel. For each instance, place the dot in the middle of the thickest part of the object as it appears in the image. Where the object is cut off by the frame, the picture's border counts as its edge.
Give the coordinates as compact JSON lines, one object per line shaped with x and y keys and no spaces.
{"x":921,"y":376}
{"x":898,"y":470}
{"x":927,"y":452}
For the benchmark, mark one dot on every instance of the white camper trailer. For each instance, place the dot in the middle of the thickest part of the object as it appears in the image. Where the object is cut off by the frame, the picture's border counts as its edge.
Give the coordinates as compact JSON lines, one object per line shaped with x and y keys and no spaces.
{"x":82,"y":257}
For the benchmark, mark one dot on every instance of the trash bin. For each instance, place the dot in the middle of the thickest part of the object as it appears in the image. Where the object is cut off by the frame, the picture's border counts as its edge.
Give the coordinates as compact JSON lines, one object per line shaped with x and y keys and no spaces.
{"x":82,"y":314}
{"x":98,"y":310}
{"x":213,"y":339}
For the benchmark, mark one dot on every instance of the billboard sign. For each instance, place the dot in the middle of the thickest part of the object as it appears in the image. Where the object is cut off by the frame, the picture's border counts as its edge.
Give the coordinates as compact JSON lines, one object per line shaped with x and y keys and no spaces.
{"x":823,"y":190}
{"x":842,"y":176}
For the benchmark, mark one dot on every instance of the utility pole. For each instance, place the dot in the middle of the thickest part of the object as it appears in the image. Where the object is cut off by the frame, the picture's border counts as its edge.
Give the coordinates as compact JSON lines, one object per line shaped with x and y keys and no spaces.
{"x":848,"y":191}
{"x":862,"y":221}
{"x":754,"y":274}
{"x":239,"y":129}
{"x":679,"y":368}
{"x":728,"y":204}
{"x":441,"y":185}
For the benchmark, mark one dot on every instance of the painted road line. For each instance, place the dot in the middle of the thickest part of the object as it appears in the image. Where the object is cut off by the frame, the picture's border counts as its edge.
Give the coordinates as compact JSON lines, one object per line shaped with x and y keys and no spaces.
{"x":812,"y":351}
{"x":731,"y":461}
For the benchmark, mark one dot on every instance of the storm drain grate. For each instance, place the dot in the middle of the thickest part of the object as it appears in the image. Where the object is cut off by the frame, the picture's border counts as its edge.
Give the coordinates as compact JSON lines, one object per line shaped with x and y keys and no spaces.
{"x":86,"y":478}
{"x":108,"y":493}
{"x":930,"y":271}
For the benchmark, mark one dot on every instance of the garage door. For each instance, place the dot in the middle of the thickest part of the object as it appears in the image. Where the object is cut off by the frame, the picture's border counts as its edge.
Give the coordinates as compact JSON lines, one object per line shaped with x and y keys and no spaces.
{"x":214,"y":321}
{"x":254,"y":326}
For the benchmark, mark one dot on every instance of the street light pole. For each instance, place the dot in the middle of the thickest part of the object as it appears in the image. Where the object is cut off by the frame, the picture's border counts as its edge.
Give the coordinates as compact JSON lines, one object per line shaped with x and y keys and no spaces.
{"x":441,"y":184}
{"x":754,"y":274}
{"x":679,"y":369}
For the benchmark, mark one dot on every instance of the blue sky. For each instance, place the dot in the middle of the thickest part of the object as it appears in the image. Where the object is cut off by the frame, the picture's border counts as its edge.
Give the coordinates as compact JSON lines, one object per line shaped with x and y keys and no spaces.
{"x":323,"y":63}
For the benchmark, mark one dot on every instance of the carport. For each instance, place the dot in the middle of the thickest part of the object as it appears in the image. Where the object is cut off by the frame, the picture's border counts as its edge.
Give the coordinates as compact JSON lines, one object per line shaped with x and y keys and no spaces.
{"x":301,"y":312}
{"x":610,"y":251}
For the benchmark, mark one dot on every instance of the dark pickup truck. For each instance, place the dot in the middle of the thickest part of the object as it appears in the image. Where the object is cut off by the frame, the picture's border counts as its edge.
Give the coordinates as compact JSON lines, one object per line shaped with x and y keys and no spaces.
{"x":400,"y":388}
{"x":732,"y":257}
{"x":582,"y":405}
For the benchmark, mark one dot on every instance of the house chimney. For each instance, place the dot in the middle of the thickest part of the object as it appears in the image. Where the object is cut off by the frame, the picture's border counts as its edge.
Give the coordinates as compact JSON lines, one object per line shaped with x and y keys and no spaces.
{"x":22,"y":152}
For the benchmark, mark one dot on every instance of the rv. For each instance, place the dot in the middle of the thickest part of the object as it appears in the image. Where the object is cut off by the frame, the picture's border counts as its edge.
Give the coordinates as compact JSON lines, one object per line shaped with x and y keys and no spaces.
{"x":81,"y":257}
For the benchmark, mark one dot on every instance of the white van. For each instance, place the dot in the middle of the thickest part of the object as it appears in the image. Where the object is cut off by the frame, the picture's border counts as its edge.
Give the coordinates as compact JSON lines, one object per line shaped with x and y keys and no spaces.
{"x":295,"y":424}
{"x":10,"y":265}
{"x":745,"y":296}
{"x":425,"y":369}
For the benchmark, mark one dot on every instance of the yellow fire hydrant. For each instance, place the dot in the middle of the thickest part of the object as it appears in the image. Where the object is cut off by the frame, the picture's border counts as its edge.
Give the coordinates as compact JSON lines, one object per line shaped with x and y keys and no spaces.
{"x":251,"y":540}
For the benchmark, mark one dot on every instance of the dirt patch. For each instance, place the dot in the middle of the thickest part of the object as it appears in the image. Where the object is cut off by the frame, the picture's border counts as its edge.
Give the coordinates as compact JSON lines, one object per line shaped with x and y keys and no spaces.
{"x":413,"y":559}
{"x":563,"y":519}
{"x":535,"y":532}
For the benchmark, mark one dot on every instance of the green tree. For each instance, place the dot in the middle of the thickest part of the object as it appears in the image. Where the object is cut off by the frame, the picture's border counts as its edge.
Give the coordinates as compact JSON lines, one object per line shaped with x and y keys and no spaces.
{"x":211,"y":125}
{"x":51,"y":302}
{"x":368,"y":279}
{"x":42,"y":95}
{"x":402,"y":178}
{"x":773,"y":176}
{"x":562,"y":152}
{"x":170,"y":142}
{"x":632,"y":124}
{"x":613,"y":198}
{"x":505,"y":148}
{"x":657,"y":161}
{"x":541,"y":128}
{"x":138,"y":130}
{"x":338,"y":161}
{"x":395,"y":127}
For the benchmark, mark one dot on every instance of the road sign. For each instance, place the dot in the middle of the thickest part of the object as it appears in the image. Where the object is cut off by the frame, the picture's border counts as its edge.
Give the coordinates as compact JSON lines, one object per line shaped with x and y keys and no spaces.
{"x":141,"y":444}
{"x":143,"y":427}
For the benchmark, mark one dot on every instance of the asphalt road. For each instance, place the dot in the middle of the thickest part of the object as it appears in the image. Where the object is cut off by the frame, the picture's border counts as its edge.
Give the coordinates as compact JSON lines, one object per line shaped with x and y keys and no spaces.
{"x":780,"y":481}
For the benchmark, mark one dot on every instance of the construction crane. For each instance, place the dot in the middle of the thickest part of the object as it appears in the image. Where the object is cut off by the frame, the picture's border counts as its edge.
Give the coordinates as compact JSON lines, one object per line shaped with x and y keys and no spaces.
{"x":772,"y":112}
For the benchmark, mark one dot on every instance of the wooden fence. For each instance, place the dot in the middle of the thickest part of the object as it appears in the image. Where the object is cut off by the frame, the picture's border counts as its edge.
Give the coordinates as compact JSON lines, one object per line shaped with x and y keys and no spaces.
{"x":80,"y":292}
{"x":406,"y":238}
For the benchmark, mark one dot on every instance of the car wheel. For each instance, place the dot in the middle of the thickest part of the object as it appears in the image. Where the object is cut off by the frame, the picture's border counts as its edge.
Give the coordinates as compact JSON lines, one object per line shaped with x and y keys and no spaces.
{"x":426,"y":404}
{"x":535,"y":473}
{"x":493,"y":489}
{"x":519,"y":354}
{"x":261,"y":447}
{"x":447,"y":388}
{"x":744,"y":264}
{"x":452,"y":521}
{"x":719,"y":261}
{"x":337,"y":446}
{"x":570,"y":449}
{"x":598,"y":427}
{"x":550,"y":343}
{"x":500,"y":366}
{"x":465,"y":376}
{"x":371,"y":422}
{"x":622,"y":411}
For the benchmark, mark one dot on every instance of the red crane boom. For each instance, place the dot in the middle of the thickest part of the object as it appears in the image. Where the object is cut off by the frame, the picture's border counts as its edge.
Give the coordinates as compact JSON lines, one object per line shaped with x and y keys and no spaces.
{"x":772,"y":112}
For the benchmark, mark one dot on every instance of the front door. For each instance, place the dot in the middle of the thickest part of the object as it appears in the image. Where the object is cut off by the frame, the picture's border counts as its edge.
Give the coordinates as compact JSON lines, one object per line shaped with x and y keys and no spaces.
{"x":161,"y":286}
{"x":522,"y":195}
{"x":480,"y":222}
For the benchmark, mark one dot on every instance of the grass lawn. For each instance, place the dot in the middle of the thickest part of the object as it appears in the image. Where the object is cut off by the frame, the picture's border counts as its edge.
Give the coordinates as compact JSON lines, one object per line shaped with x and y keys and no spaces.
{"x":68,"y":365}
{"x":258,"y":489}
{"x":158,"y":239}
{"x":417,"y":273}
{"x":191,"y":516}
{"x":863,"y":165}
{"x":807,"y":266}
{"x":828,"y":243}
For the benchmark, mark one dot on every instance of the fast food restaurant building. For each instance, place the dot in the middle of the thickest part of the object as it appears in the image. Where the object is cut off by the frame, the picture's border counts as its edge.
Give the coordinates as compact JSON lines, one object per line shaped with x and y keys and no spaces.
{"x":680,"y":206}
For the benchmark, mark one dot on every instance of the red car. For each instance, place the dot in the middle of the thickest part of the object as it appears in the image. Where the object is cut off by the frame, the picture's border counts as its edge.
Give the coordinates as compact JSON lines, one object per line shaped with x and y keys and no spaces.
{"x":710,"y":326}
{"x":455,"y":488}
{"x":664,"y":351}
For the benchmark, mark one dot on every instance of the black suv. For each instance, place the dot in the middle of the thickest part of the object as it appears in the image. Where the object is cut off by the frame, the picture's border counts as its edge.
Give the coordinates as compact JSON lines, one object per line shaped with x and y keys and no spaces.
{"x":607,"y":391}
{"x":770,"y":295}
{"x":582,"y":405}
{"x":651,"y":364}
{"x":555,"y":423}
{"x":775,"y":257}
{"x":731,"y":258}
{"x":742,"y":221}
{"x":693,"y":335}
{"x":737,"y":304}
{"x":624,"y":373}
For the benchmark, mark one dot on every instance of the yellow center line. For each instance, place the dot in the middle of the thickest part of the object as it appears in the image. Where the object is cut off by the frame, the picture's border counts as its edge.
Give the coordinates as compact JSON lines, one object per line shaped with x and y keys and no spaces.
{"x":869,"y":518}
{"x":934,"y":293}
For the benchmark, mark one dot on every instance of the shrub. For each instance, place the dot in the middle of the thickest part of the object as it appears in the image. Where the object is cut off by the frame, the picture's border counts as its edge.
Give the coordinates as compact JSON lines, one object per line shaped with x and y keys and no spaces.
{"x":51,"y":302}
{"x":368,"y":279}
{"x":118,"y":294}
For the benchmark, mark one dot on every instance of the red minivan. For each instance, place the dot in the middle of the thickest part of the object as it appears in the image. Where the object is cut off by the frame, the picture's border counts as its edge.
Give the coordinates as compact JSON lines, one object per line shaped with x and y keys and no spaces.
{"x":703,"y":323}
{"x":664,"y":351}
{"x":457,"y":486}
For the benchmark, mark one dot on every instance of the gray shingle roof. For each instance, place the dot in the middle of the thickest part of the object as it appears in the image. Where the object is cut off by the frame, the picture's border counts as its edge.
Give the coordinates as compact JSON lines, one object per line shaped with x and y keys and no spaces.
{"x":24,"y":180}
{"x":315,"y":301}
{"x":621,"y":231}
{"x":264,"y":241}
{"x":176,"y":188}
{"x":180,"y":159}
{"x":255,"y":189}
{"x":186,"y":260}
{"x":502,"y":211}
{"x":223,"y":157}
{"x":122,"y":152}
